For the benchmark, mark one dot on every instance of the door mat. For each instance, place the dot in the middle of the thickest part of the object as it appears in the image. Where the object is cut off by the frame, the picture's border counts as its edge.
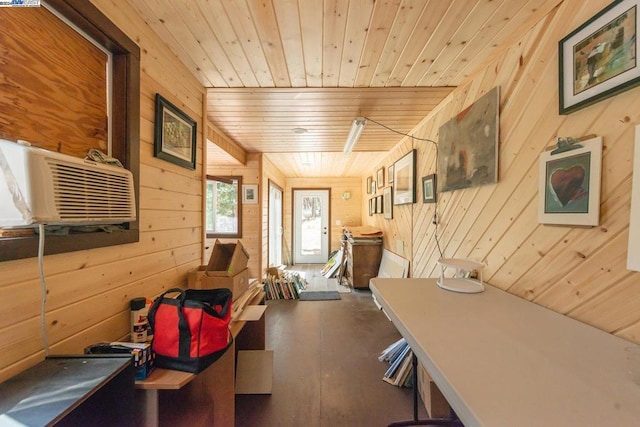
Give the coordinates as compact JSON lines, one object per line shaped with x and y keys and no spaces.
{"x":319,"y":295}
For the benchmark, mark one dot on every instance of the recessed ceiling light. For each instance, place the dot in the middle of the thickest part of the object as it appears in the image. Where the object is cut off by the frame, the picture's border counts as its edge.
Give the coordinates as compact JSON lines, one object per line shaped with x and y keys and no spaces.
{"x":299,"y":130}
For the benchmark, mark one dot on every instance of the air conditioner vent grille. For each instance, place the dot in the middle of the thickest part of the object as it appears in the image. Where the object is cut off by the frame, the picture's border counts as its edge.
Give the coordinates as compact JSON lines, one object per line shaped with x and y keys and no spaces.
{"x":83,"y":191}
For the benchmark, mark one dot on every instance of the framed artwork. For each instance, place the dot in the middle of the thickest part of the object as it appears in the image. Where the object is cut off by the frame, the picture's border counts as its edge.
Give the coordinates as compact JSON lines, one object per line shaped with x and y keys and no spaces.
{"x":633,"y":252}
{"x":372,"y":207}
{"x":390,"y":174}
{"x":388,"y":205}
{"x":429,"y":188}
{"x":369,"y":181}
{"x":569,"y":184}
{"x":175,"y":135}
{"x":404,"y":179}
{"x":250,"y":194}
{"x":379,"y":202}
{"x":380,"y":177}
{"x":468,"y":148}
{"x":599,"y":58}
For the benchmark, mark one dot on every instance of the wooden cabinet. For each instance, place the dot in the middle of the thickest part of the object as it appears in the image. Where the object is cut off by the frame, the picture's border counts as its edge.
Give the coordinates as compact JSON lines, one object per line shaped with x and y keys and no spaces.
{"x":363,"y":261}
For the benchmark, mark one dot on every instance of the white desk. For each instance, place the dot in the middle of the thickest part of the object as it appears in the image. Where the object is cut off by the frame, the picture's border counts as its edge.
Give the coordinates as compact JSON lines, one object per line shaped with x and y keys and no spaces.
{"x":500,"y":360}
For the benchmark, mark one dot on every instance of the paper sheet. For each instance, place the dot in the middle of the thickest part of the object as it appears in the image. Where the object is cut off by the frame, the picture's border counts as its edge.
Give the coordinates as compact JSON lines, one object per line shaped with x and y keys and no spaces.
{"x":252,"y":313}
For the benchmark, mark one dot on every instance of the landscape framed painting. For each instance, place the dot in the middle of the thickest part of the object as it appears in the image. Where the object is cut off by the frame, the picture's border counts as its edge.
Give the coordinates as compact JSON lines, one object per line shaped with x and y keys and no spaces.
{"x":569,"y":185}
{"x":599,"y":59}
{"x":404,"y":179}
{"x":388,"y":205}
{"x":429,"y":189}
{"x":175,"y":134}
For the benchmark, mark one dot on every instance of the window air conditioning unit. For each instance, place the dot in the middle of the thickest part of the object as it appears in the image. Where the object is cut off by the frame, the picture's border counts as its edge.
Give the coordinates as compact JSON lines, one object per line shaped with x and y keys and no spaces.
{"x":43,"y":187}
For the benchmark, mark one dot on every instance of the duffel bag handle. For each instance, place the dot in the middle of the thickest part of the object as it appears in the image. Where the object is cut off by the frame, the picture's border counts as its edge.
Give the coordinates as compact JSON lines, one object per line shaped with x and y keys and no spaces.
{"x":151,"y":316}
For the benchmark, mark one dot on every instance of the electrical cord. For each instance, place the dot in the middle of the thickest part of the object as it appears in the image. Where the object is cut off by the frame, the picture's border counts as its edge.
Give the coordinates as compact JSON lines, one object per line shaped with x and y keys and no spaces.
{"x":435,"y":215}
{"x":43,"y":287}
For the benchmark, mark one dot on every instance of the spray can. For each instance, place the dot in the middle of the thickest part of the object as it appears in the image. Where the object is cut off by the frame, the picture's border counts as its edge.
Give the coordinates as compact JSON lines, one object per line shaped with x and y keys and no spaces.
{"x":139,"y":322}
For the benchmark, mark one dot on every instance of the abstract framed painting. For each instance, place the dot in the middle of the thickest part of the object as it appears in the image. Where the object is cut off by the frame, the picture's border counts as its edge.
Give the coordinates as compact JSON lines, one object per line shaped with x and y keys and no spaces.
{"x":569,"y":184}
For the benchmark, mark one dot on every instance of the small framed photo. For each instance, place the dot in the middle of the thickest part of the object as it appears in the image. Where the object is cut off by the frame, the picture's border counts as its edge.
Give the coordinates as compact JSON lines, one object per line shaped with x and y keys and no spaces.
{"x":599,"y":58}
{"x":372,"y":207}
{"x":175,"y":135}
{"x":569,"y":185}
{"x":250,"y":194}
{"x":369,"y":181}
{"x":374,"y":187}
{"x":388,"y":202}
{"x":380,"y":177}
{"x":390,"y":174}
{"x":379,"y":204}
{"x":429,"y":188}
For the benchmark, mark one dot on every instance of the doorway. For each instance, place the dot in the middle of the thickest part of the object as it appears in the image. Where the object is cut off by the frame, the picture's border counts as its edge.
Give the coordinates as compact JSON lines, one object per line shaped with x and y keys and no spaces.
{"x":310,"y":226}
{"x":275,"y":225}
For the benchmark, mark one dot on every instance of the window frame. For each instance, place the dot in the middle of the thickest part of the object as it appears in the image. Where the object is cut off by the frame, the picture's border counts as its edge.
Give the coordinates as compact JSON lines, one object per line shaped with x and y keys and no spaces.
{"x":125,"y":129}
{"x":222,"y":178}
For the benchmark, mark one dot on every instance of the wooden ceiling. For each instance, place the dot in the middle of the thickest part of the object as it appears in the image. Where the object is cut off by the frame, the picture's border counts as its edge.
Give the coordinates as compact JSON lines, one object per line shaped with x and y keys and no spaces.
{"x":272,"y":66}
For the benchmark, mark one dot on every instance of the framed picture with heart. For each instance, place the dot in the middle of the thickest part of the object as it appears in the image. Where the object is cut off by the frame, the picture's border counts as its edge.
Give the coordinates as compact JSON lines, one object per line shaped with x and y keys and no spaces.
{"x":569,"y":185}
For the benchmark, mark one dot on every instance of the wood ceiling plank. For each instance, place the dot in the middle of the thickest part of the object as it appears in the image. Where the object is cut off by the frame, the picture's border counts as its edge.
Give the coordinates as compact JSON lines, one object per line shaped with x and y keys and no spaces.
{"x":358,"y":20}
{"x":403,"y":27}
{"x":266,"y":25}
{"x":312,"y":41}
{"x":288,"y":17}
{"x":384,"y":13}
{"x":223,"y":30}
{"x":335,"y":20}
{"x":239,"y":15}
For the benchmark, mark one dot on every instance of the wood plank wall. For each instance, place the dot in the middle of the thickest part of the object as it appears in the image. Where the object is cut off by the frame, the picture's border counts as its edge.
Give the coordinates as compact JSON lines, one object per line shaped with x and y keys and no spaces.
{"x":579,"y":272}
{"x":252,"y":219}
{"x":89,"y":291}
{"x":348,"y":212}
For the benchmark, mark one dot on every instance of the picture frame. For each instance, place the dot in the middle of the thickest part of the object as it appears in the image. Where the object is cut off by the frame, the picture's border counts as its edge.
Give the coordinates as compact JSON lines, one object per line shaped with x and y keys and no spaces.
{"x":369,"y":181}
{"x":569,"y":184}
{"x":380,"y":177}
{"x":390,"y":174}
{"x":379,"y":203}
{"x":429,"y":192}
{"x":404,"y":179}
{"x":387,"y":193}
{"x":250,"y":194}
{"x":174,"y":135}
{"x":371,"y":206}
{"x":374,"y":187}
{"x":598,"y":59}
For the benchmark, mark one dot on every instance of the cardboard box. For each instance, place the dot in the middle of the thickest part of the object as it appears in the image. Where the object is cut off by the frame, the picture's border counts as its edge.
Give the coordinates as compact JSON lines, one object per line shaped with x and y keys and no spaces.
{"x":201,"y":279}
{"x":227,"y":259}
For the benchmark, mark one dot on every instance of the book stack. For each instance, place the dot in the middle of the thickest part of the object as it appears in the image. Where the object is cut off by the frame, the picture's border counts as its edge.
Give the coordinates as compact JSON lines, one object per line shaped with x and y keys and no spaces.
{"x":399,"y":356}
{"x":286,"y":285}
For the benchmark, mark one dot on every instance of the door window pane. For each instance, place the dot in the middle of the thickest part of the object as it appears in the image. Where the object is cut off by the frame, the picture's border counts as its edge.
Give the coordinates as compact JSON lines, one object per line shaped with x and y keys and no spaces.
{"x":311,"y":226}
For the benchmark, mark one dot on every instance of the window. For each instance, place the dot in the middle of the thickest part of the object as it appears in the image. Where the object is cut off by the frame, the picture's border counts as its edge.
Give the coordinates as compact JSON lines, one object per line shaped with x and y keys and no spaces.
{"x":224,"y":209}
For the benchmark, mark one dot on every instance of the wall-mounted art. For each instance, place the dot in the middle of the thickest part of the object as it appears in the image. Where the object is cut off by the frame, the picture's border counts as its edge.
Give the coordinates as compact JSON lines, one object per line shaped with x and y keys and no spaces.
{"x":388,"y":202}
{"x":372,"y":206}
{"x":369,"y":181}
{"x":380,"y":204}
{"x":404,"y":179}
{"x":250,"y":194}
{"x":175,"y":134}
{"x":599,"y":58}
{"x":429,"y":188}
{"x":390,"y":174}
{"x":569,"y":184}
{"x":633,"y":252}
{"x":468,"y":146}
{"x":380,"y":177}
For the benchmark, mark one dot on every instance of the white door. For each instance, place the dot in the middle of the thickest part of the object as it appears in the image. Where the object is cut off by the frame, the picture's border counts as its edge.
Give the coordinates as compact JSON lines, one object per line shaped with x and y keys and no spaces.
{"x":275,"y":225}
{"x":310,"y":226}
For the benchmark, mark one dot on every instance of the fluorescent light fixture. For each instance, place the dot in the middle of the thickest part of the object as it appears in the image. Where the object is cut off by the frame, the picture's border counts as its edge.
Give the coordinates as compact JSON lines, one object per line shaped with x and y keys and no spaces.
{"x":354,"y":133}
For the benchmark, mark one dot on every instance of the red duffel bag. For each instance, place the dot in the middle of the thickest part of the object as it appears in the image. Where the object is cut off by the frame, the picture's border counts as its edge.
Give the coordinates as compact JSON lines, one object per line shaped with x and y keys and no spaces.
{"x":191,"y":330}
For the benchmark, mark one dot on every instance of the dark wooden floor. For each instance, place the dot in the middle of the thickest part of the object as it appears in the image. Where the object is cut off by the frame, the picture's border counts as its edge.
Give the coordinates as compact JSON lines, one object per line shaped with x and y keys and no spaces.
{"x":326,"y":371}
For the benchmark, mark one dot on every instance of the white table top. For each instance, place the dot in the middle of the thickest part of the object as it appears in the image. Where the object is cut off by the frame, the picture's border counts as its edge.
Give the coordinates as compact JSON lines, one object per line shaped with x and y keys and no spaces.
{"x":500,"y":360}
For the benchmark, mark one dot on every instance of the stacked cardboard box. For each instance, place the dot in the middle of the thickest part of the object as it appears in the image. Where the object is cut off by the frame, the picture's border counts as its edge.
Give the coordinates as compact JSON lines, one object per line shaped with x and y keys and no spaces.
{"x":227,"y":268}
